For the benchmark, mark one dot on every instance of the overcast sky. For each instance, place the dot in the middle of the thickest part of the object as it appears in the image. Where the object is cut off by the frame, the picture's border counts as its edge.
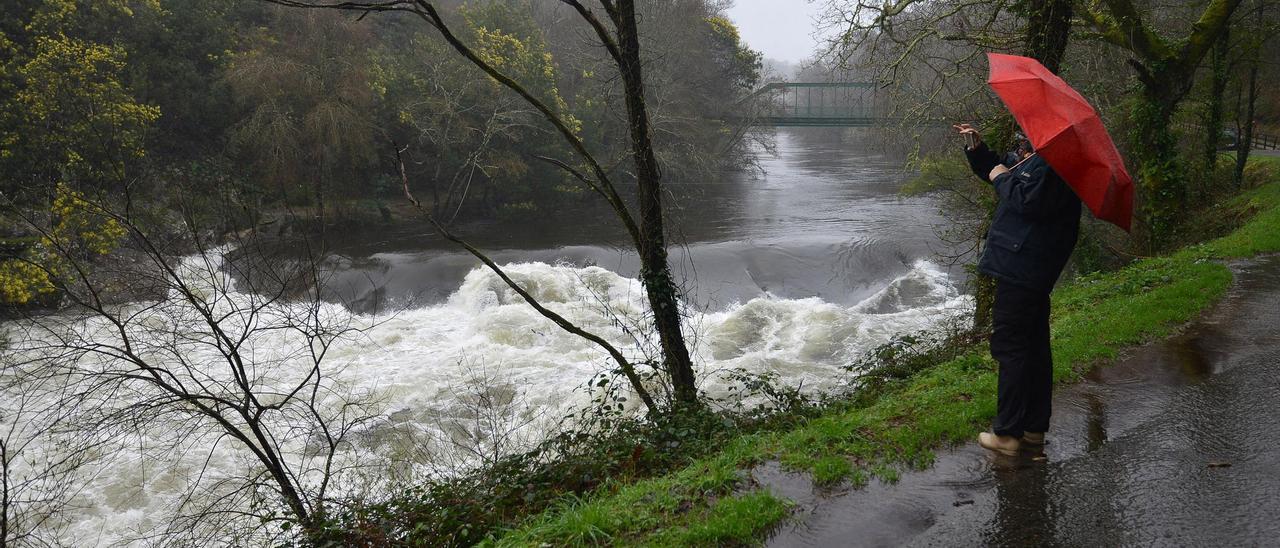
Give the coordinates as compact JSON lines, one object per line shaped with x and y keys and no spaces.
{"x":782,"y":29}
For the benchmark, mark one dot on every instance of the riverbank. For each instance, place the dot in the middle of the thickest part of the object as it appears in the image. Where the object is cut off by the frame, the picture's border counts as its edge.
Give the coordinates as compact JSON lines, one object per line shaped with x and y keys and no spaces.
{"x":717,"y":500}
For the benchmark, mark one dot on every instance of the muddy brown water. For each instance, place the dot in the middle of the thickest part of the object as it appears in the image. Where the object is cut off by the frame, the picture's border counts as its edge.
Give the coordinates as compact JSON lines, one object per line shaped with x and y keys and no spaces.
{"x":1173,"y":445}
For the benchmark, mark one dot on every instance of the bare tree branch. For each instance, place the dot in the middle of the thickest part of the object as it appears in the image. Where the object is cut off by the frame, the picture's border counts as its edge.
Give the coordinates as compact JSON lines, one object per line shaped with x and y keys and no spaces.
{"x":627,"y":368}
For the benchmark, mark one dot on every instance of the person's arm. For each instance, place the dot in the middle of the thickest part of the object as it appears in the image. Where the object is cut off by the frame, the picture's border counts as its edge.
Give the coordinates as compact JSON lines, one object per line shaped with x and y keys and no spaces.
{"x":982,"y":160}
{"x":1033,"y":193}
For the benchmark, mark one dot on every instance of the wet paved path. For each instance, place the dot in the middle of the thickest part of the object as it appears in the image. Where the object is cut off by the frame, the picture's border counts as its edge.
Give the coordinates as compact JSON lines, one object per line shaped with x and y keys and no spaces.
{"x":1175,"y":445}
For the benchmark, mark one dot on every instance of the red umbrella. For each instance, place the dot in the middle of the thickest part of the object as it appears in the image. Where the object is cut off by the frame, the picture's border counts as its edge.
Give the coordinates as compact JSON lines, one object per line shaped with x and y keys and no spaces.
{"x":1067,"y":132}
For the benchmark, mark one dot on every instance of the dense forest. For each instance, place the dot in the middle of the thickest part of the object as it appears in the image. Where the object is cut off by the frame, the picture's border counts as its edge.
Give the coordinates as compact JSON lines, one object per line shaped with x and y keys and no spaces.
{"x":236,"y":111}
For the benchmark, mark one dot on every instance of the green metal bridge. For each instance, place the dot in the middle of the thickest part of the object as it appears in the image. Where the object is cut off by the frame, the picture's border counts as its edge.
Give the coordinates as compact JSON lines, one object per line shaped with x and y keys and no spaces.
{"x":819,"y":104}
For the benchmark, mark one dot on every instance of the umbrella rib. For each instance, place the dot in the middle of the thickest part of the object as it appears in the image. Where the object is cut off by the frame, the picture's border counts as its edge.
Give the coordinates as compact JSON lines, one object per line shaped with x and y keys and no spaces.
{"x":1019,"y":79}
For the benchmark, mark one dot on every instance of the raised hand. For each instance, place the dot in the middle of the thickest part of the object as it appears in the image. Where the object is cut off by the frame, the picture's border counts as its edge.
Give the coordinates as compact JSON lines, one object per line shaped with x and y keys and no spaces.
{"x":969,"y":132}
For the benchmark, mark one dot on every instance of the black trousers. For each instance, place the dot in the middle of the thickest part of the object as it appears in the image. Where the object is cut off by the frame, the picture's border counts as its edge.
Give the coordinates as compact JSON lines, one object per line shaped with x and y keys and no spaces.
{"x":1020,"y":344}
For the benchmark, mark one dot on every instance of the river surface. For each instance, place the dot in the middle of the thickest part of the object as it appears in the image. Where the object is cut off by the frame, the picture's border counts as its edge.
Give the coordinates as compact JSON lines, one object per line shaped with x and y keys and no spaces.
{"x":797,"y":269}
{"x":821,"y":217}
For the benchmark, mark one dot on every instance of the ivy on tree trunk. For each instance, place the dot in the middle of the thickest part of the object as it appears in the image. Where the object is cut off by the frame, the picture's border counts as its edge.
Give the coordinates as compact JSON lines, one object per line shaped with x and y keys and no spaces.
{"x":1165,"y":69}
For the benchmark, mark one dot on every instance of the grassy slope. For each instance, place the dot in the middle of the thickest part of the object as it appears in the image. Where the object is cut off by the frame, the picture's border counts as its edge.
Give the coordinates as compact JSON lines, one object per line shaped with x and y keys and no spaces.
{"x":711,"y":502}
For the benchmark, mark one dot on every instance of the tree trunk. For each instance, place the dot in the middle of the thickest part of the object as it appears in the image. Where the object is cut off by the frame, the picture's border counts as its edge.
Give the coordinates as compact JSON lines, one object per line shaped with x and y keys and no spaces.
{"x":655,"y":272}
{"x":4,"y":494}
{"x":1217,"y":88}
{"x":984,"y":301}
{"x":1244,"y":139}
{"x":1161,"y":186}
{"x":1048,"y":31}
{"x":1244,"y":135}
{"x":1165,"y":69}
{"x":319,"y":190}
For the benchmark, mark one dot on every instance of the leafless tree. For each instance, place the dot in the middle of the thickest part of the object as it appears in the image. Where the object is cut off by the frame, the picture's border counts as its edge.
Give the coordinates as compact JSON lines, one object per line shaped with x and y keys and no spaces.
{"x":491,"y":419}
{"x":219,"y":360}
{"x":36,"y":485}
{"x":929,"y":56}
{"x":1262,"y":17}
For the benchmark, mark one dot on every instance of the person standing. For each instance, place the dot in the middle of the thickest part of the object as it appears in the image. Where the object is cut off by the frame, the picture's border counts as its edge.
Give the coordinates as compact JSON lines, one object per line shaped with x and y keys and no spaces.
{"x":1034,"y":231}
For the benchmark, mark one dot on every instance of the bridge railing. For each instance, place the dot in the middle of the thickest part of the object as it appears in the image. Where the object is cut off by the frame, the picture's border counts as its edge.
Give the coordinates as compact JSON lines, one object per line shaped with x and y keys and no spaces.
{"x":1265,"y":141}
{"x":1261,"y":141}
{"x":848,"y":104}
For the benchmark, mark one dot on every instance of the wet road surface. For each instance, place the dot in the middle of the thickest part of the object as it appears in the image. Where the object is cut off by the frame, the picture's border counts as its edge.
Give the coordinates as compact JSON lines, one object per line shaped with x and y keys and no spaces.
{"x":1174,"y":445}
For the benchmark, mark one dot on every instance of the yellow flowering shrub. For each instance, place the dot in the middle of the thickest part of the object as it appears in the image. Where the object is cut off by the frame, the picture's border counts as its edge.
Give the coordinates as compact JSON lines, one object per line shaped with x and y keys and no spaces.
{"x":74,"y":96}
{"x":21,"y":281}
{"x":526,"y":61}
{"x":79,"y":227}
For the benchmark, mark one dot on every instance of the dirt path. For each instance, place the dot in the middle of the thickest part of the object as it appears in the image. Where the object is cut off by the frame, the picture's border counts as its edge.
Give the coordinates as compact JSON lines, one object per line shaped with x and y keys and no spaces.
{"x":1176,"y":444}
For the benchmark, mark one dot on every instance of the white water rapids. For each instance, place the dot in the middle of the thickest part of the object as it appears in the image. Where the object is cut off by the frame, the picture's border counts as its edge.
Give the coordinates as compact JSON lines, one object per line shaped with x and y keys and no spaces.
{"x":421,"y":364}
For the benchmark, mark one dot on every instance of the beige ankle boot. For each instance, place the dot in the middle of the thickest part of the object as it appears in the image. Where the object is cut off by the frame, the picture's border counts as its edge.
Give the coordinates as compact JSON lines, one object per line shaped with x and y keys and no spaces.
{"x":1005,"y":445}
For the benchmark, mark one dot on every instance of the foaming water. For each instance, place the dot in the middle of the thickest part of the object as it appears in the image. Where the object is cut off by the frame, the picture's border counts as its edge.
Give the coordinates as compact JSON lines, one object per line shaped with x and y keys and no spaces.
{"x":423,"y":363}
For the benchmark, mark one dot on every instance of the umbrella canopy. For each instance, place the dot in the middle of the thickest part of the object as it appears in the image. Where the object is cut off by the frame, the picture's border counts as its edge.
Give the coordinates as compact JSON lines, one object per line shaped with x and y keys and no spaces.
{"x":1067,"y":132}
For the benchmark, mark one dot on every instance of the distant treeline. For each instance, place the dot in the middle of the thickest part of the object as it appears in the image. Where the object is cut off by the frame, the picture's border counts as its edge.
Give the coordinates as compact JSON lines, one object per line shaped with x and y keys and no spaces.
{"x":172,"y":107}
{"x":306,"y":108}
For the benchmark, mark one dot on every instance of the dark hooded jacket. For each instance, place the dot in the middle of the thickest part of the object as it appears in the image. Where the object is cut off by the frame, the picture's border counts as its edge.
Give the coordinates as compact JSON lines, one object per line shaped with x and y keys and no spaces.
{"x":1036,"y":224}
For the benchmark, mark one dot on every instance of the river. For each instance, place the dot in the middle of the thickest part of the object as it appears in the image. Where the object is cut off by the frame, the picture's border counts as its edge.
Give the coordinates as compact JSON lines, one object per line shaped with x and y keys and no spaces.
{"x":797,"y":268}
{"x":821,"y":217}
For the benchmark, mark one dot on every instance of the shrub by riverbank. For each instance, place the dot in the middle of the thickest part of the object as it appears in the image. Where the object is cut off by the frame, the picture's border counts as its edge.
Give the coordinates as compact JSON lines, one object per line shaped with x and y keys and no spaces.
{"x":714,"y":501}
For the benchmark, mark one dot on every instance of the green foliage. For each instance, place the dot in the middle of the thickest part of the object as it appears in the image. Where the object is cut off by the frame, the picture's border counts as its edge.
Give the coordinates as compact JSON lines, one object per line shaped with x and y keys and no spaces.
{"x":606,"y":452}
{"x":307,"y":105}
{"x":23,"y":280}
{"x":69,"y":114}
{"x":736,"y":520}
{"x":830,"y":469}
{"x":664,"y":510}
{"x":741,"y":65}
{"x":1261,"y":234}
{"x":467,"y":136}
{"x":306,"y":92}
{"x":80,"y":229}
{"x":80,"y":117}
{"x":519,"y":51}
{"x":179,"y":53}
{"x":906,"y":355}
{"x":69,"y":124}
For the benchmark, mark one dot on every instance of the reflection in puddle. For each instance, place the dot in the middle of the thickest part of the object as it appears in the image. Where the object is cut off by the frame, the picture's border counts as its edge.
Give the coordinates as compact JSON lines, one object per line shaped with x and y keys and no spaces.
{"x":1096,"y":422}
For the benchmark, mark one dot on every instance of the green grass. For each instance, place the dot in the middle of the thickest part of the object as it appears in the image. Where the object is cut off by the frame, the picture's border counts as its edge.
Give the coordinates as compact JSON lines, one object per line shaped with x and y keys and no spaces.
{"x":710,"y":502}
{"x":714,"y":502}
{"x":1259,"y":235}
